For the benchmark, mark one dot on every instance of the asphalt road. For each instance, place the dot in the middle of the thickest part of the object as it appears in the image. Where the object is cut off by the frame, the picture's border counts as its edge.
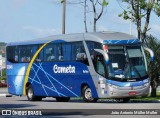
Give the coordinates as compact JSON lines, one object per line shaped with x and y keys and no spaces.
{"x":20,"y":103}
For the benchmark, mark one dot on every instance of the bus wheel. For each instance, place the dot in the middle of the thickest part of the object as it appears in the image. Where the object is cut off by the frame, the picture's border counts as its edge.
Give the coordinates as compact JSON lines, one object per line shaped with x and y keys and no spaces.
{"x":30,"y":94}
{"x":62,"y":99}
{"x":122,"y":100}
{"x":87,"y":95}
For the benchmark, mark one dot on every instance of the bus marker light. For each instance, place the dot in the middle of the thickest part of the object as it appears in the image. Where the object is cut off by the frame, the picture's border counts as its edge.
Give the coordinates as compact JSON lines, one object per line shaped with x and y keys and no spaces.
{"x":132,"y":93}
{"x":146,"y":84}
{"x":105,"y":47}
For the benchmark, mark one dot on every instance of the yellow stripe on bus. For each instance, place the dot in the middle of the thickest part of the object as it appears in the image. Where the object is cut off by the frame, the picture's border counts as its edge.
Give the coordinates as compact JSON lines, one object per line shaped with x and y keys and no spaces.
{"x":30,"y":65}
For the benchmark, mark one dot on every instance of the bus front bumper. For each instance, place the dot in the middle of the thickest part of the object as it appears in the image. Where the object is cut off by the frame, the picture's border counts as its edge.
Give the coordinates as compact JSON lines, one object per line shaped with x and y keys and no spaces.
{"x":123,"y":92}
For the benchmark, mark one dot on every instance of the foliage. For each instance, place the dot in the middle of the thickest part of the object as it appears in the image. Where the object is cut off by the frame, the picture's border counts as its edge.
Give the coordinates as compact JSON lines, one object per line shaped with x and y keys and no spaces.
{"x":2,"y":49}
{"x":97,"y":10}
{"x":3,"y":75}
{"x":157,"y":7}
{"x":153,"y":67}
{"x":105,"y":3}
{"x":138,"y":10}
{"x":148,"y":98}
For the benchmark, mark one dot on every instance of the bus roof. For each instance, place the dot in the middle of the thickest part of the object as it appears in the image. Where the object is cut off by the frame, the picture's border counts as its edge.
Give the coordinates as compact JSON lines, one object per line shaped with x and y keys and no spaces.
{"x":94,"y":36}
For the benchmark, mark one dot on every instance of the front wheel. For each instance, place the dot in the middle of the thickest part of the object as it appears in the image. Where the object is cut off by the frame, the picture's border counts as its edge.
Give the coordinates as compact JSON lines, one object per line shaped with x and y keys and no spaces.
{"x":87,"y":95}
{"x":30,"y":94}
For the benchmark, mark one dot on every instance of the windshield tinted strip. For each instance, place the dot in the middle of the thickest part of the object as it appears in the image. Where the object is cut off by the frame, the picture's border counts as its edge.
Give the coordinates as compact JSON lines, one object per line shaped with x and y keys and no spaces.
{"x":129,"y":41}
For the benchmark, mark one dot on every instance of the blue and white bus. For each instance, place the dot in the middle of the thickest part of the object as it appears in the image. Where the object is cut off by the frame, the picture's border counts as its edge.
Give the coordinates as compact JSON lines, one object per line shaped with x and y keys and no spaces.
{"x":88,"y":65}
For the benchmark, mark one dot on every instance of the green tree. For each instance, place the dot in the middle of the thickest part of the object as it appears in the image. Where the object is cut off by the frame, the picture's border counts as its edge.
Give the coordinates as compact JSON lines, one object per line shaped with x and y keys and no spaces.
{"x":97,"y":16}
{"x":153,"y":67}
{"x":97,"y":7}
{"x":157,"y":8}
{"x":85,"y":16}
{"x":139,"y":10}
{"x":4,"y":74}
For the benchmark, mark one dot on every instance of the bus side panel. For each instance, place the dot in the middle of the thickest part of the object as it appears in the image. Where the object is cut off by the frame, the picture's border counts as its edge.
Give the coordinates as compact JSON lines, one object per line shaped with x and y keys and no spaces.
{"x":43,"y":81}
{"x":83,"y":78}
{"x":15,"y":77}
{"x":60,"y":79}
{"x":10,"y":83}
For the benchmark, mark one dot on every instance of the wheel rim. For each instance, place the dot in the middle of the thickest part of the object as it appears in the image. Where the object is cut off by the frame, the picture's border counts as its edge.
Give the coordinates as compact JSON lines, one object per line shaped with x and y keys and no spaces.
{"x":88,"y":94}
{"x":30,"y":93}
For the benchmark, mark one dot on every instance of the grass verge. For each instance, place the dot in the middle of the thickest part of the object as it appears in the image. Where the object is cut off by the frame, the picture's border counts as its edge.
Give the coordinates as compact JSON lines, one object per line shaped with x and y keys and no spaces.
{"x":148,"y":98}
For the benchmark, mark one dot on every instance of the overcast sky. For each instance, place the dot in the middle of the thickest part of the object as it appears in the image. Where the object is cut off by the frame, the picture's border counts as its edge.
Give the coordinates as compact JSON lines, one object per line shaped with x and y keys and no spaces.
{"x":31,"y":19}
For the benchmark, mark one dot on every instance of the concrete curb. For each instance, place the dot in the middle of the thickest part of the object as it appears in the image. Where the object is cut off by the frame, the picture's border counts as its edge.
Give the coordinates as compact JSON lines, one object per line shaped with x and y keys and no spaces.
{"x":145,"y":101}
{"x":131,"y":101}
{"x":5,"y":95}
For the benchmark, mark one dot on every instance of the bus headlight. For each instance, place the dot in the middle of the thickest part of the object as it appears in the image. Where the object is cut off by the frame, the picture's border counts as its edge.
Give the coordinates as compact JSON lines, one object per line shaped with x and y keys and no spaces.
{"x":146,"y":84}
{"x":113,"y":86}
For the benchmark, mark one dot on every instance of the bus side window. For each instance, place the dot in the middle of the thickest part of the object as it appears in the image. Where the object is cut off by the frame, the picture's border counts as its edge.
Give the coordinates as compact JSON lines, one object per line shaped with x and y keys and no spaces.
{"x":99,"y":64}
{"x":39,"y":57}
{"x":59,"y":52}
{"x":25,"y":53}
{"x":66,"y":47}
{"x":49,"y":54}
{"x":12,"y":54}
{"x":78,"y":53}
{"x":16,"y":54}
{"x":91,"y":46}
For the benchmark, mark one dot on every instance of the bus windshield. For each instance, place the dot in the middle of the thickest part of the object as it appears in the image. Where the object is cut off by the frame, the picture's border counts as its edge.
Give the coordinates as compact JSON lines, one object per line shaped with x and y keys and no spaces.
{"x":126,"y":62}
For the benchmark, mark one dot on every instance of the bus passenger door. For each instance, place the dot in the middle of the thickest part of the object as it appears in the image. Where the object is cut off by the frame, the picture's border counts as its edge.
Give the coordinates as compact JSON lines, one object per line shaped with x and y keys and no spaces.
{"x":100,"y":68}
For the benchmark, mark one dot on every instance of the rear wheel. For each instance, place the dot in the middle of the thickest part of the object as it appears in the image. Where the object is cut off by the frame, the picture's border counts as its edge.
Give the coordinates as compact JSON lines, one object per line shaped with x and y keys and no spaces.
{"x":62,"y":99}
{"x":122,"y":100}
{"x":30,"y":94}
{"x":87,"y":94}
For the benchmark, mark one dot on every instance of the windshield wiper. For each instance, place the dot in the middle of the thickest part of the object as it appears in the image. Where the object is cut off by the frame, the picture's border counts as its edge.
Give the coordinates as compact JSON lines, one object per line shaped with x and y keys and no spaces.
{"x":130,"y":66}
{"x":137,"y":71}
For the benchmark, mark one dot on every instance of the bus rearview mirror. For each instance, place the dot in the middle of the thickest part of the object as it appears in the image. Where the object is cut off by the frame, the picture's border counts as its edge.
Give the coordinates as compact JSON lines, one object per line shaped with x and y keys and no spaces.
{"x":151,"y":53}
{"x":104,"y":53}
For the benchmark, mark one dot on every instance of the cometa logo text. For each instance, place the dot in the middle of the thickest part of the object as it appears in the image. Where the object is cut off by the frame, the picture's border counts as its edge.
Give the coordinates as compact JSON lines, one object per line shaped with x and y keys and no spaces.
{"x":68,"y":69}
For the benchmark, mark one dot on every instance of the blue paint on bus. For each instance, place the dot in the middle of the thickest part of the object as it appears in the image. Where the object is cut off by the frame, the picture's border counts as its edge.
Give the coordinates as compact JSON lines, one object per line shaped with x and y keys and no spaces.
{"x":127,"y":84}
{"x":63,"y":84}
{"x":122,"y":42}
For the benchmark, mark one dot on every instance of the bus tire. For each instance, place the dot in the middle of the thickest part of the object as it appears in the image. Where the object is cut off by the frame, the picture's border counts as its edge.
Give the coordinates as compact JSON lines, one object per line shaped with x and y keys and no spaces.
{"x":62,"y":99}
{"x":30,"y":94}
{"x":87,"y":94}
{"x":122,"y":100}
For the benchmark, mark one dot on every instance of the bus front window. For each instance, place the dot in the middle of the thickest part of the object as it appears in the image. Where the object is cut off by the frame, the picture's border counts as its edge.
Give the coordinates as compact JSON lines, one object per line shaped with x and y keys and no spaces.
{"x":136,"y":61}
{"x":126,"y":62}
{"x":117,"y":60}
